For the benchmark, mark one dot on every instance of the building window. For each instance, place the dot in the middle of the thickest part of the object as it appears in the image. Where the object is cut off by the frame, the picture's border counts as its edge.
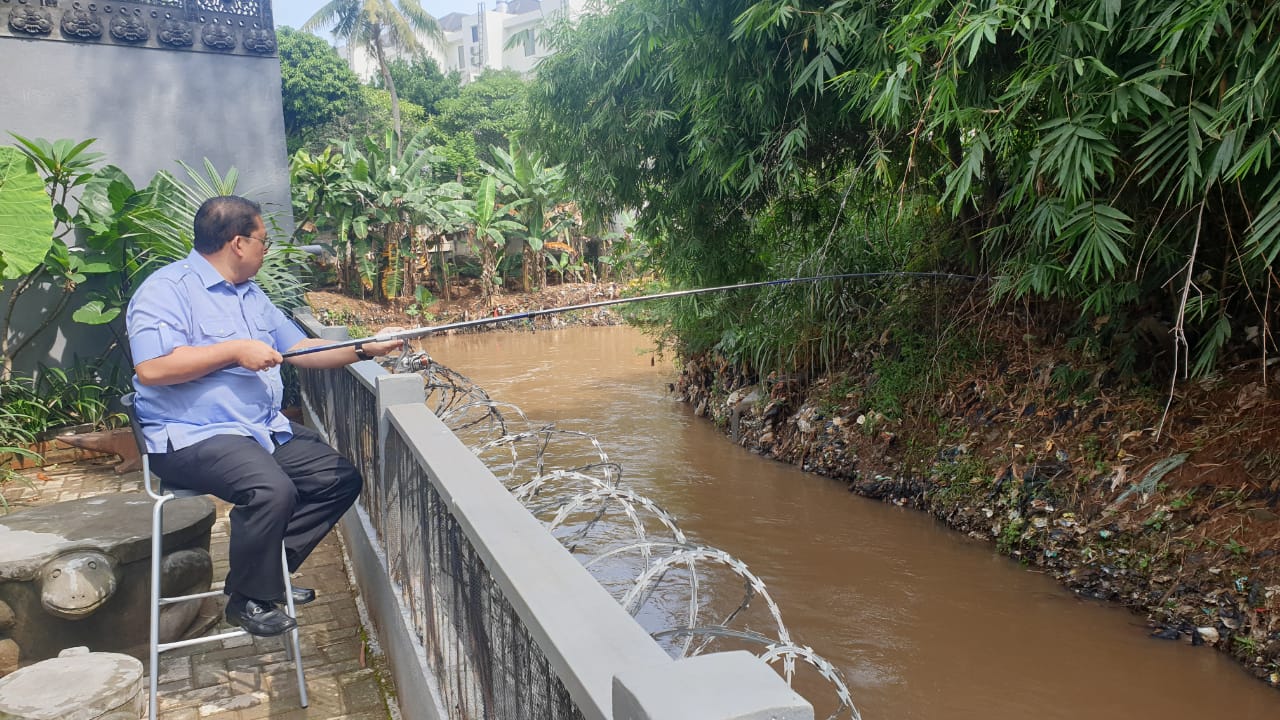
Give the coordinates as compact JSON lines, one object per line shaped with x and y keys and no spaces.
{"x":475,"y":33}
{"x":462,"y":57}
{"x":530,"y":43}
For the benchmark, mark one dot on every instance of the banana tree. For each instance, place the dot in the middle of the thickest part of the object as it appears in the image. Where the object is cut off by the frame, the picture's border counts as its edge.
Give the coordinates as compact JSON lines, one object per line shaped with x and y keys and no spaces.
{"x":439,"y":211}
{"x":488,"y":223}
{"x":523,"y":175}
{"x":387,"y":210}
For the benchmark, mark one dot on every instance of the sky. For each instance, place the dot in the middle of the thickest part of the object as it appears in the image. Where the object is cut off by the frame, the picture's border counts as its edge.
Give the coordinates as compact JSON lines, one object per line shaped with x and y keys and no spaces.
{"x":295,"y":12}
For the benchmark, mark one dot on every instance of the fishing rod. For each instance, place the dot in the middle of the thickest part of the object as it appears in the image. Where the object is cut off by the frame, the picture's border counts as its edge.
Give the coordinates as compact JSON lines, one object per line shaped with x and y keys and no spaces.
{"x":418,"y":332}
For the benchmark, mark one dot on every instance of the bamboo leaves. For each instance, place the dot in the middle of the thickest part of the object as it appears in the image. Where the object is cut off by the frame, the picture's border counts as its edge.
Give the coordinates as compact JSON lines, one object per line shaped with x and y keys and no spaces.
{"x":1067,"y":142}
{"x":1100,"y":234}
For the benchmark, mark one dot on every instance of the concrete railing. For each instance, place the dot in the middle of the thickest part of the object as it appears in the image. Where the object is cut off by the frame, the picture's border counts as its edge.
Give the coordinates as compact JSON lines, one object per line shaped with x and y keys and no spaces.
{"x":480,"y":611}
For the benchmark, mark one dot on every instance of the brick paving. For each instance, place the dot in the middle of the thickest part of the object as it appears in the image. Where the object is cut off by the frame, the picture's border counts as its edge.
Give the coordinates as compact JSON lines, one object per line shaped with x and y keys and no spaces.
{"x":248,"y":678}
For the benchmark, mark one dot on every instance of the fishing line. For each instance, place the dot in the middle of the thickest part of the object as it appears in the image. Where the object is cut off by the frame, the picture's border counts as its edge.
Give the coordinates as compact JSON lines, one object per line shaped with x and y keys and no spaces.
{"x":424,"y":331}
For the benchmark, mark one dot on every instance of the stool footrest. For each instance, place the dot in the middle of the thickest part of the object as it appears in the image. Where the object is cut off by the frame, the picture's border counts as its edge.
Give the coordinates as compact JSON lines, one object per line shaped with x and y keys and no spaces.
{"x":161,"y":647}
{"x":184,"y":598}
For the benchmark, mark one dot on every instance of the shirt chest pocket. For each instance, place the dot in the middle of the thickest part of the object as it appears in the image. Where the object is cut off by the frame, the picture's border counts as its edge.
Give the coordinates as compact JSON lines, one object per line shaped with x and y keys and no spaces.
{"x":216,"y":329}
{"x":262,"y":325}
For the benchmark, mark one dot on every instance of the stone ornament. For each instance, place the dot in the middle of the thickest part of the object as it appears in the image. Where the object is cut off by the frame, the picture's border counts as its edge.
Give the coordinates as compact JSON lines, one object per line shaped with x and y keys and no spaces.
{"x":30,"y":21}
{"x":129,"y":27}
{"x":77,"y":573}
{"x":241,"y":27}
{"x":175,"y":33}
{"x":259,"y":41}
{"x":217,"y":37}
{"x":76,"y":685}
{"x":81,"y":23}
{"x":75,"y":584}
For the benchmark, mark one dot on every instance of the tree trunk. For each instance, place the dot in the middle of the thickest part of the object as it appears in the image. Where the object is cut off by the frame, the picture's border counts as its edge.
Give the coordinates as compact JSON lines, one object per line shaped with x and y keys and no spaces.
{"x":347,"y":269}
{"x":419,"y":265}
{"x":488,"y":271}
{"x":391,"y":88}
{"x":526,"y":269}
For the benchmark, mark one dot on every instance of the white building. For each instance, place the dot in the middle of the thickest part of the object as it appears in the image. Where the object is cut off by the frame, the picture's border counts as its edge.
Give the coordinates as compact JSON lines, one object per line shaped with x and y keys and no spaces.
{"x":508,"y":37}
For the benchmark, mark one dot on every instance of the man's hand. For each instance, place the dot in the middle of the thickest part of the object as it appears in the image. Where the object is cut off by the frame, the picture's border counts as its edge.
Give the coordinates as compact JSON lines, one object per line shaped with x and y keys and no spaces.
{"x":378,"y":349}
{"x":343,"y":355}
{"x":256,"y":355}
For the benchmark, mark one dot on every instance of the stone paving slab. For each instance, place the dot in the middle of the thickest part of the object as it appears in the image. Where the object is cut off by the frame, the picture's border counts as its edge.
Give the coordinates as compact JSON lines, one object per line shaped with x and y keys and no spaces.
{"x":248,"y":678}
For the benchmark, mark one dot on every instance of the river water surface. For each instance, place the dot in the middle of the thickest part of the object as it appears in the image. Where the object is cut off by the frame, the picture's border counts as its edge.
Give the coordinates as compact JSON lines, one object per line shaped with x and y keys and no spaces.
{"x":924,"y":622}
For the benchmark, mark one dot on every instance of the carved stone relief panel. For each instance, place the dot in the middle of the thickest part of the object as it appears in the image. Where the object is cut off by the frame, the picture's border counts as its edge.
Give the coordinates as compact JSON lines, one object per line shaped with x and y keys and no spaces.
{"x":234,"y":27}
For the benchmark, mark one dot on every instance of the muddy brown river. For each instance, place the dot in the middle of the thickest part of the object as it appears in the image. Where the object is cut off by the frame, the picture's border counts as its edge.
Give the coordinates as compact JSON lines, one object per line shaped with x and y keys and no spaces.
{"x":924,"y":622}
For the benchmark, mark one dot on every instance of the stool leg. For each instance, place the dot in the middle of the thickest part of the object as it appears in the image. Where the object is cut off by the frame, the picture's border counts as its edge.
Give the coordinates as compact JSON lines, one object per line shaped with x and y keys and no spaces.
{"x":293,"y":634}
{"x":157,"y":534}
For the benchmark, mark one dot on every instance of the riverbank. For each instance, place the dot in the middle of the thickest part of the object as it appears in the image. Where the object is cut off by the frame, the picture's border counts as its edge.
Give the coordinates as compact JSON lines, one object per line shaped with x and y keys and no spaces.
{"x":365,"y":317}
{"x":1066,"y":470}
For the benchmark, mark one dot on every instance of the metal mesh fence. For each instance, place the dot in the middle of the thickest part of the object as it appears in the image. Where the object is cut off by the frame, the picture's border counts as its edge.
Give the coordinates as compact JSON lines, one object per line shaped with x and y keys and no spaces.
{"x":485,"y":663}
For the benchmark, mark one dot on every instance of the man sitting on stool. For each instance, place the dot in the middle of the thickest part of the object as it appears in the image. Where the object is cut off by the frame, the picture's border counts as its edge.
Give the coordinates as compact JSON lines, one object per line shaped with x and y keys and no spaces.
{"x":206,"y":346}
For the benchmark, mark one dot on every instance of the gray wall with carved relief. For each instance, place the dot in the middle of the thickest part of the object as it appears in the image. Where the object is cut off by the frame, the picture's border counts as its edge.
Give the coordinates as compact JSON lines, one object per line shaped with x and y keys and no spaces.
{"x":155,"y":82}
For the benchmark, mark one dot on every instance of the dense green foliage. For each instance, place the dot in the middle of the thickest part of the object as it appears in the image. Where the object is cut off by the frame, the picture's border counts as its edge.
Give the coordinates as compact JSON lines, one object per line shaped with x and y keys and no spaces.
{"x":385,"y":206}
{"x":526,"y":181}
{"x":484,"y":114}
{"x":370,"y":117}
{"x":1117,"y":160}
{"x":100,"y":221}
{"x":420,"y":82}
{"x":115,"y":234}
{"x":317,"y":86}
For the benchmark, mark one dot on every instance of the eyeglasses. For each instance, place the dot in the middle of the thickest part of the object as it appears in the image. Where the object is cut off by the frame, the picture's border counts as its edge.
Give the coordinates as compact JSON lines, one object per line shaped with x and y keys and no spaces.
{"x":266,"y":243}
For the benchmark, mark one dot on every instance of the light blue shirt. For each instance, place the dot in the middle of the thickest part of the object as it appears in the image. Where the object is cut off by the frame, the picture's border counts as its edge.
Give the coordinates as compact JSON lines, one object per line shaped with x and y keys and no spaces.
{"x":189,"y":303}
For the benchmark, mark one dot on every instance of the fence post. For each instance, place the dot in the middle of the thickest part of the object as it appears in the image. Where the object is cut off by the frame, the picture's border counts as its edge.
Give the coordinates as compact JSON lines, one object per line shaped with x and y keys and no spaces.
{"x":398,"y":389}
{"x":336,"y":333}
{"x":721,"y":686}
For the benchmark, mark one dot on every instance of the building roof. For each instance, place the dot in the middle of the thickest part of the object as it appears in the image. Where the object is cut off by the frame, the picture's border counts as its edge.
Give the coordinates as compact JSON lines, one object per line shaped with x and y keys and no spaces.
{"x":451,"y":22}
{"x":520,"y":7}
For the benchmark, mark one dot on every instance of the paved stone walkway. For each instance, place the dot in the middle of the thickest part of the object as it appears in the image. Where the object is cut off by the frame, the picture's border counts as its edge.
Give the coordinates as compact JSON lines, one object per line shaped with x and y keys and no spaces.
{"x":248,"y":678}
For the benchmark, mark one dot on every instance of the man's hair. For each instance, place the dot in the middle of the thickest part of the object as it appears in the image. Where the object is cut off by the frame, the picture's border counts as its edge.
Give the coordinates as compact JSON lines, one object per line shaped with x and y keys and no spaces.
{"x":221,"y":218}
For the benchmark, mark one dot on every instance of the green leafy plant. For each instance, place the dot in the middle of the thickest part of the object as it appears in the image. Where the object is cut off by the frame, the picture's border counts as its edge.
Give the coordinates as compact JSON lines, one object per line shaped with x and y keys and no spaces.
{"x":385,"y":207}
{"x":524,"y":176}
{"x":418,"y":309}
{"x":39,"y":405}
{"x":46,"y":259}
{"x":14,"y":437}
{"x":25,"y":215}
{"x":488,"y":223}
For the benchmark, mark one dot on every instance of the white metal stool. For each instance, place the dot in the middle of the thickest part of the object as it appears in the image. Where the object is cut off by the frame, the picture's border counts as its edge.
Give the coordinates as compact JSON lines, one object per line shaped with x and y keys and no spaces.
{"x":162,"y":496}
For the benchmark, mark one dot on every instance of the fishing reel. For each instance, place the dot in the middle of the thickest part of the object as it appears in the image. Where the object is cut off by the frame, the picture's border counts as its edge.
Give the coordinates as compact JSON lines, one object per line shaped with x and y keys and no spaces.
{"x":411,"y":361}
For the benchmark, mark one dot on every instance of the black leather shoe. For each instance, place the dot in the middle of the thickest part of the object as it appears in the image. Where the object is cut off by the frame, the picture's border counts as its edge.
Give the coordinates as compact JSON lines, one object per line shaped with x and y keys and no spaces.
{"x":302,"y":595}
{"x":259,"y":618}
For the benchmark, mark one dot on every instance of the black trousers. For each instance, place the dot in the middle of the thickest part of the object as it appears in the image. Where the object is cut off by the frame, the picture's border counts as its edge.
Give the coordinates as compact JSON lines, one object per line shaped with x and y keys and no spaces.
{"x":295,"y":495}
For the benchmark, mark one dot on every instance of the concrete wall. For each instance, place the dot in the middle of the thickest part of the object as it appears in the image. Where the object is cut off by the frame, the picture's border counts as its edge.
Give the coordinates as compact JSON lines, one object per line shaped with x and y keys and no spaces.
{"x":148,"y":108}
